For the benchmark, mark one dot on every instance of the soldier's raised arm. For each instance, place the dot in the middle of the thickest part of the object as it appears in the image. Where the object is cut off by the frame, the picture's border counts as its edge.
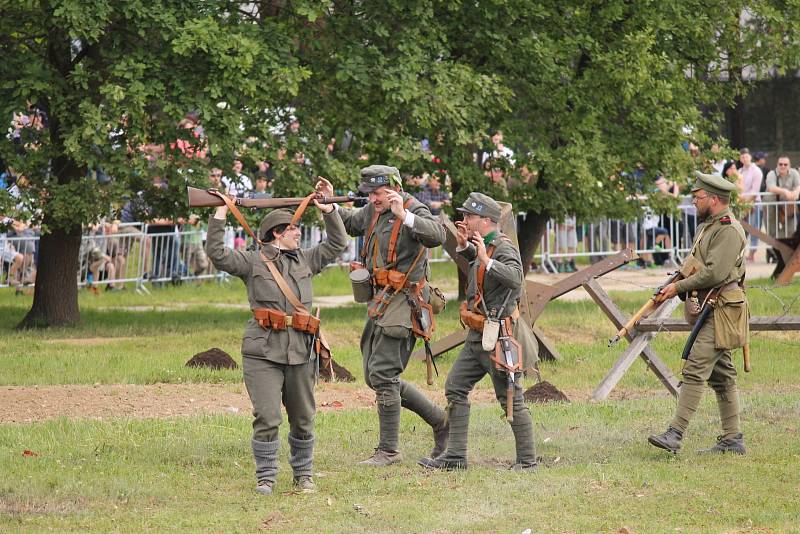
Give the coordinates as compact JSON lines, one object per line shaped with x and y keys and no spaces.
{"x":233,"y":262}
{"x":326,"y":252}
{"x":426,"y":227}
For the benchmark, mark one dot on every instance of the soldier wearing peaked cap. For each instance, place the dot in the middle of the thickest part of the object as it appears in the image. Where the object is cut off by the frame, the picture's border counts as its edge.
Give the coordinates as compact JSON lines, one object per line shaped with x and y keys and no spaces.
{"x":494,"y":286}
{"x":716,"y":262}
{"x":278,"y":349}
{"x":397,"y":231}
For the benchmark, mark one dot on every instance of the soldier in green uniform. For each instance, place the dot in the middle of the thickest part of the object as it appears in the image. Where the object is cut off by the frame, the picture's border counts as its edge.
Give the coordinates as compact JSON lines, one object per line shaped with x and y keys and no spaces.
{"x":277,"y":358}
{"x":495,"y":278}
{"x":717,"y":261}
{"x":397,"y":231}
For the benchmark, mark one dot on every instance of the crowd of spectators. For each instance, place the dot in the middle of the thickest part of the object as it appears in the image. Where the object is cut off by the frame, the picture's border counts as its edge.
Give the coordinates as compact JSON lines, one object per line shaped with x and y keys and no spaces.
{"x":173,"y":248}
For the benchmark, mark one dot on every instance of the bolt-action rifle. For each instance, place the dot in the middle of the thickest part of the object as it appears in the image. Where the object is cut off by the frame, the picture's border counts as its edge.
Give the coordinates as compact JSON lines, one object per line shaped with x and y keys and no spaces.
{"x":204,"y":198}
{"x":645,"y":310}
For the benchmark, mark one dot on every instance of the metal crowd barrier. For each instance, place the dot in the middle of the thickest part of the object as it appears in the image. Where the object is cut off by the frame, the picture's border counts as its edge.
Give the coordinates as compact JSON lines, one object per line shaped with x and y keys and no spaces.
{"x":665,"y":237}
{"x":139,"y":253}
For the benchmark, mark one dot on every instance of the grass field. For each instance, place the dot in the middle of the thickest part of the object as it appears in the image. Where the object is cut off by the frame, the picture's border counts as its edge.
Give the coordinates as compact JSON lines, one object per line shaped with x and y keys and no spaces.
{"x":195,"y":473}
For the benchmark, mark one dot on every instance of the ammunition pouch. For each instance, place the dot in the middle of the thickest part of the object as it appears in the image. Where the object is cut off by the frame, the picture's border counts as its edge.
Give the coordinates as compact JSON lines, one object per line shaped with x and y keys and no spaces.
{"x":731,"y":318}
{"x":271,"y":319}
{"x":389,"y":277}
{"x":472,"y":320}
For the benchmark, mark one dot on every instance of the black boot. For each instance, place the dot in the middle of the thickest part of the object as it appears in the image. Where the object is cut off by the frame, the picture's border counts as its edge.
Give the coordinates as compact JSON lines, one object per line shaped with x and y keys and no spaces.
{"x":669,"y":440}
{"x":734,"y":444}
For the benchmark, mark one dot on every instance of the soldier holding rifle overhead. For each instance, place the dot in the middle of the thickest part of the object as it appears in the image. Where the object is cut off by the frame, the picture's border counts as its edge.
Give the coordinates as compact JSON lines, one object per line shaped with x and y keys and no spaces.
{"x":282,"y":340}
{"x":397,"y":230}
{"x":715,"y":303}
{"x":494,"y":287}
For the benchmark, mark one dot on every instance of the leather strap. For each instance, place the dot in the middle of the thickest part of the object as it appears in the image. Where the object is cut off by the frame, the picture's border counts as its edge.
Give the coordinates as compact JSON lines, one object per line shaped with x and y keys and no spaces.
{"x":481,"y":274}
{"x":372,"y":223}
{"x":301,"y":208}
{"x":391,"y":256}
{"x":284,"y":287}
{"x":236,"y":214}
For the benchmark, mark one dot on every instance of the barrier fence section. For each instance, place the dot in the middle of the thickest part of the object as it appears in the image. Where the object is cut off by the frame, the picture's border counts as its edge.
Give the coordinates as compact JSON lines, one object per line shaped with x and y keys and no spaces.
{"x":139,"y":253}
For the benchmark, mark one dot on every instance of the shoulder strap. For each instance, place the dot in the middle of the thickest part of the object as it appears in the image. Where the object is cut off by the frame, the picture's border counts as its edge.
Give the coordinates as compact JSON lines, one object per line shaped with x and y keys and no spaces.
{"x":479,"y":279}
{"x":368,"y":235}
{"x":236,"y":214}
{"x":482,"y":273}
{"x":284,"y":287}
{"x":302,"y":207}
{"x":391,"y":256}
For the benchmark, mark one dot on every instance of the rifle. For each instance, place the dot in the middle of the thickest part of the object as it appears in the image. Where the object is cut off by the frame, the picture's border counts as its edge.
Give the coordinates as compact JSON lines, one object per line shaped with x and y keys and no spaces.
{"x":313,"y":352}
{"x":648,"y":307}
{"x":701,"y":319}
{"x":203,"y":198}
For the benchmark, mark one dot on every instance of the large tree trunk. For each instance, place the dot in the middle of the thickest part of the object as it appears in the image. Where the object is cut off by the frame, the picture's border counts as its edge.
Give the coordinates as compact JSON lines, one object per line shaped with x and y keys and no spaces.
{"x":55,"y":297}
{"x":529,"y":236}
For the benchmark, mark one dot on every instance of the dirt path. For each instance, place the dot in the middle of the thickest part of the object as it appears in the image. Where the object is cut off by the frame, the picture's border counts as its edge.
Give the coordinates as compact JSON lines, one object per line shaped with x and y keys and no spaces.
{"x":25,"y":404}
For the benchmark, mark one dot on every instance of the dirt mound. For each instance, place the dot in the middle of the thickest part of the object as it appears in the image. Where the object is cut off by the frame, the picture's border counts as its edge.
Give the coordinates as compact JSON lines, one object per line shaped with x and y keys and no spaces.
{"x":213,"y":359}
{"x":342,"y":374}
{"x":544,"y":392}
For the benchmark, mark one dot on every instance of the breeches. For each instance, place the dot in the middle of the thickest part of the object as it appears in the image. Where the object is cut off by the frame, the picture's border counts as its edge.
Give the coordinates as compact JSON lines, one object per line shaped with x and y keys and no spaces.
{"x":271,"y":384}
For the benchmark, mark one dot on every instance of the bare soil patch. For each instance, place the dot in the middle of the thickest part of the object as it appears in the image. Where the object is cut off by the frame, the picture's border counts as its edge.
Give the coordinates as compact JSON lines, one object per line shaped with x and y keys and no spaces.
{"x":26,"y":404}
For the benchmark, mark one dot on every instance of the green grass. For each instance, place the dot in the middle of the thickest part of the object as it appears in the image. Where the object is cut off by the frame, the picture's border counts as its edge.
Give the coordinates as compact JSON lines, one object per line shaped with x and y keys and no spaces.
{"x":195,"y":473}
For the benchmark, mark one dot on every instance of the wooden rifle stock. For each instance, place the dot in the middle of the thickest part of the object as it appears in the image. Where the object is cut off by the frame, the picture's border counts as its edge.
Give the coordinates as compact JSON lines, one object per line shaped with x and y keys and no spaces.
{"x":746,"y":356}
{"x":202,"y":198}
{"x":648,"y":307}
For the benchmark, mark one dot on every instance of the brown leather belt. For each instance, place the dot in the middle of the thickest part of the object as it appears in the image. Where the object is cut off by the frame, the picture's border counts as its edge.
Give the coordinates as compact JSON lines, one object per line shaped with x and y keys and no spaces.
{"x":475,"y":321}
{"x":269,"y":318}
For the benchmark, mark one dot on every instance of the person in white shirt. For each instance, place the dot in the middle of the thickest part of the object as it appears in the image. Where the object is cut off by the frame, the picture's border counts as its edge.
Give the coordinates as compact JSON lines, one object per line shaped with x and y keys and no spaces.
{"x":749,"y":184}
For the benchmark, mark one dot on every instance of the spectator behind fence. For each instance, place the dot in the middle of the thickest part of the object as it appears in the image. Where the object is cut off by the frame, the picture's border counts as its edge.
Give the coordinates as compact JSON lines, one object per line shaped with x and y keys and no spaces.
{"x":11,"y":261}
{"x":433,"y":195}
{"x":25,"y":244}
{"x":238,"y":184}
{"x":263,"y":186}
{"x":749,"y":184}
{"x":195,"y":253}
{"x":784,"y":183}
{"x":566,"y":243}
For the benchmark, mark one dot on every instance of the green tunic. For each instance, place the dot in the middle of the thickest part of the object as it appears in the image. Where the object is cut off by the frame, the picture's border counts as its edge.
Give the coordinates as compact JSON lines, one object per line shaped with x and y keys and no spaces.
{"x":387,"y":343}
{"x":720,"y":245}
{"x":283,"y":346}
{"x":276,"y":364}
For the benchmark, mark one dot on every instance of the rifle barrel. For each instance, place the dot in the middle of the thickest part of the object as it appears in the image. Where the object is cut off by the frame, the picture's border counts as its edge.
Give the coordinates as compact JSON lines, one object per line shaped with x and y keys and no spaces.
{"x":201,"y":198}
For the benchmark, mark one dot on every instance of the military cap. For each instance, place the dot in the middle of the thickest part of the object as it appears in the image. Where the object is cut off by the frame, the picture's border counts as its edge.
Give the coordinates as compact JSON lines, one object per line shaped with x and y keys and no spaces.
{"x":714,"y":184}
{"x":482,"y":205}
{"x":376,"y":176}
{"x":273,"y":219}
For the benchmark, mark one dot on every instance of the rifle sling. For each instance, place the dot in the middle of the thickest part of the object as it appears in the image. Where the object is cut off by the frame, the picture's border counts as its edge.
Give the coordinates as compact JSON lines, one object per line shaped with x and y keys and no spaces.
{"x":284,"y":287}
{"x":236,"y":214}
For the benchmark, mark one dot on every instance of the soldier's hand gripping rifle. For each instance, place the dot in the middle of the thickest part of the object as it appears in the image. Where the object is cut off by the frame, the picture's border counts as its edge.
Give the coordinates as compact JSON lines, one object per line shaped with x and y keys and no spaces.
{"x":204,"y":198}
{"x":708,"y":305}
{"x":645,"y":310}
